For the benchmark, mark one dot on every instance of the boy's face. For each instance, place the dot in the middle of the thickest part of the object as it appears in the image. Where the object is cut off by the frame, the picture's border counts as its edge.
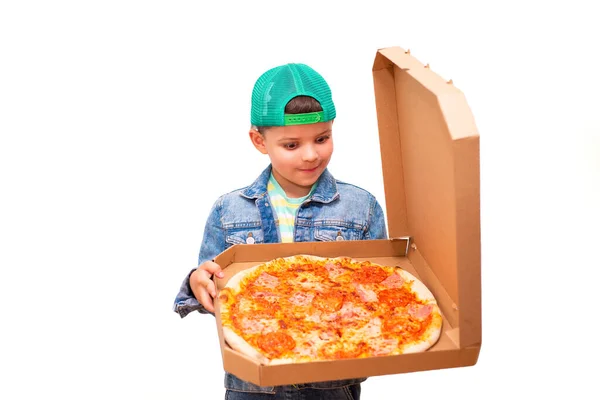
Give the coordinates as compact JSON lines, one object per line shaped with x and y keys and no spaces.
{"x":299,"y":154}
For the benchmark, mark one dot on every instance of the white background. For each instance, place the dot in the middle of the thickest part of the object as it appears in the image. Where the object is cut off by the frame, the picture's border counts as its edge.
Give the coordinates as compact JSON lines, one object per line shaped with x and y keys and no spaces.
{"x":122,"y":121}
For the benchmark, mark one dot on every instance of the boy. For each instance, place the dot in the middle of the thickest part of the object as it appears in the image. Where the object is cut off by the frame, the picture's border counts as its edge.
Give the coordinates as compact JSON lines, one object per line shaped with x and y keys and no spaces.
{"x":294,"y":199}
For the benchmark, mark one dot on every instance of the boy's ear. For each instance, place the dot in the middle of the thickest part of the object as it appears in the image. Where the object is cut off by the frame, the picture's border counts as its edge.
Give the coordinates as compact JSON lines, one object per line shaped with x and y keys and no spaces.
{"x":258,"y":140}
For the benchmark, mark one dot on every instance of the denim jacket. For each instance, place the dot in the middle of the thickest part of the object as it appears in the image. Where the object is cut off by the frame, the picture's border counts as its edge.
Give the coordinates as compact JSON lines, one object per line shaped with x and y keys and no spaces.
{"x":333,"y":209}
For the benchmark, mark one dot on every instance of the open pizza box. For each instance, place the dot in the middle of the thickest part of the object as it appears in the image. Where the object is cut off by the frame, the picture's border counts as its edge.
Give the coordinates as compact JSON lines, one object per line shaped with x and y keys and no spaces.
{"x":430,"y":156}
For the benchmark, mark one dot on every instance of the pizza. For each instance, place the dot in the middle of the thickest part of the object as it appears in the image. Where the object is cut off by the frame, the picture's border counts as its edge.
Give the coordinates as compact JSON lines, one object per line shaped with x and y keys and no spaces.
{"x":306,"y":308}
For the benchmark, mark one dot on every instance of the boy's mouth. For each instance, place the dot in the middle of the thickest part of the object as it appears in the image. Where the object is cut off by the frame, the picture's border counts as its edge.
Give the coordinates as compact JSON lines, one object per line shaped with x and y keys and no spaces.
{"x":308,"y":170}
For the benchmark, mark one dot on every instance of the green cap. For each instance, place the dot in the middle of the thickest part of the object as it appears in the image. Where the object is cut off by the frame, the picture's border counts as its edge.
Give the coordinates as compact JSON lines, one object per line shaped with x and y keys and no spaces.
{"x":276,"y":87}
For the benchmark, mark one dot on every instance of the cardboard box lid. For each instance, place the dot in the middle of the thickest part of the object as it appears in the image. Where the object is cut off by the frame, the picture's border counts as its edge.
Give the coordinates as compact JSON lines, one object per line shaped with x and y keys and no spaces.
{"x":430,"y":159}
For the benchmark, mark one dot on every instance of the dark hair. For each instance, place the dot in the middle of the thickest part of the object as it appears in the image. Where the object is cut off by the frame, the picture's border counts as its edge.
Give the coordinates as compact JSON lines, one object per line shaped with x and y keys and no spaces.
{"x":302,"y":105}
{"x":298,"y":105}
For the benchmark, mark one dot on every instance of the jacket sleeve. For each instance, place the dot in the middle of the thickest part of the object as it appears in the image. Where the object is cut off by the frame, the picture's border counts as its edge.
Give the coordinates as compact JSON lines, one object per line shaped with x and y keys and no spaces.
{"x":377,"y":228}
{"x":213,"y":243}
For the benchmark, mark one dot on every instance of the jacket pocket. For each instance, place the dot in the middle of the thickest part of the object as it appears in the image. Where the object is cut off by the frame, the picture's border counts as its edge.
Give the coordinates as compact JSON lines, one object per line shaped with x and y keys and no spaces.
{"x":332,"y":233}
{"x":243,"y":236}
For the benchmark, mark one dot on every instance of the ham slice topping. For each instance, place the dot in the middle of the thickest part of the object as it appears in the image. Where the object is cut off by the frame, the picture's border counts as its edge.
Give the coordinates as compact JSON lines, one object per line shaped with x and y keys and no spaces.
{"x":315,"y":317}
{"x":253,"y":326}
{"x":301,"y":298}
{"x":330,"y":316}
{"x":393,"y":281}
{"x":365,"y":294}
{"x":350,"y":311}
{"x":383,"y":346}
{"x":420,"y":310}
{"x":266,"y":280}
{"x":316,"y":286}
{"x":372,"y":329}
{"x":334,"y":270}
{"x":270,"y":297}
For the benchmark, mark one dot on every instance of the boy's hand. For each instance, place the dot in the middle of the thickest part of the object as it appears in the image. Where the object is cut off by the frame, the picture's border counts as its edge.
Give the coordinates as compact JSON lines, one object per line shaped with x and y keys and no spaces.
{"x":202,"y":285}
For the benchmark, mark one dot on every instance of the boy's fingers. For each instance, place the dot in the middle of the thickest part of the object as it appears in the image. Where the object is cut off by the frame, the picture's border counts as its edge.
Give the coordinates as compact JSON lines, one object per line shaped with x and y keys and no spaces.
{"x":211,"y":288}
{"x":212,"y":268}
{"x":203,"y":277}
{"x":206,"y":281}
{"x":206,"y":301}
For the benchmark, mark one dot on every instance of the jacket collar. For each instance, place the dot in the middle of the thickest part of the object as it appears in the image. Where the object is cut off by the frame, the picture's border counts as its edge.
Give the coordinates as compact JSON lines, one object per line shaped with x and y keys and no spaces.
{"x":325,"y":192}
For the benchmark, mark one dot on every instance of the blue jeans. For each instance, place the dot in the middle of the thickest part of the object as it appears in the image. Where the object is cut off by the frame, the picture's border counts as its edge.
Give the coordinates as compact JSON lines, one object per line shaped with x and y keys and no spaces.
{"x":237,"y":389}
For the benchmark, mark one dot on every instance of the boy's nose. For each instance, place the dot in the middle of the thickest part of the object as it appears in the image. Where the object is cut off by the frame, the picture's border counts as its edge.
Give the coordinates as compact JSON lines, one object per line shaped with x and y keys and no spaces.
{"x":309,"y":154}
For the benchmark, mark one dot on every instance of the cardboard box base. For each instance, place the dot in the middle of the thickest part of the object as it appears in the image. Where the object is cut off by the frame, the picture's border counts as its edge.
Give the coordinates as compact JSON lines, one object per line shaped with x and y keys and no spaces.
{"x":446,"y":353}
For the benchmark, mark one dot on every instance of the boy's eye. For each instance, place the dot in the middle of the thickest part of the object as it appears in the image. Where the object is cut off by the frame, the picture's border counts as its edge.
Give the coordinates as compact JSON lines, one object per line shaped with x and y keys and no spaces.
{"x":322,"y":139}
{"x":290,"y":146}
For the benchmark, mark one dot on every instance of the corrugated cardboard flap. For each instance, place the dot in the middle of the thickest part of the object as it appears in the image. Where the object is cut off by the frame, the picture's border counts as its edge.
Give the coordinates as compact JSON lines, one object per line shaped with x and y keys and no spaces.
{"x":430,"y":156}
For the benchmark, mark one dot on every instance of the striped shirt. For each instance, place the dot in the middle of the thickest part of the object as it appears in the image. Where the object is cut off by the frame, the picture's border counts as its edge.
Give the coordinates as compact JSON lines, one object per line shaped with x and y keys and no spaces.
{"x":285,"y":209}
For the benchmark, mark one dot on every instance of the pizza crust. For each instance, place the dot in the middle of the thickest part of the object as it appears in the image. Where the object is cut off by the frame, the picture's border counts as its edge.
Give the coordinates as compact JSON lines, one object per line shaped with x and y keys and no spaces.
{"x":432,"y":335}
{"x":279,"y":361}
{"x":233,"y":286}
{"x":238,"y":343}
{"x":417,"y":286}
{"x":234,"y":282}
